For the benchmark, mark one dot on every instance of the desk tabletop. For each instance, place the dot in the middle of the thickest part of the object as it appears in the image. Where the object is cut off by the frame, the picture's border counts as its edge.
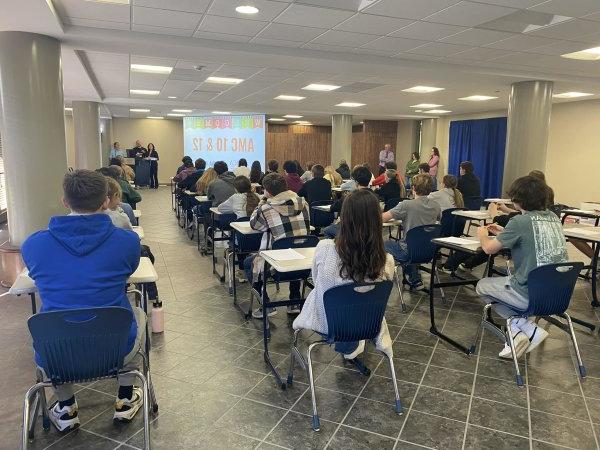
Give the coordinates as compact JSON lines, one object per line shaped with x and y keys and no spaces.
{"x":202,"y":198}
{"x":589,"y":213}
{"x":215,"y":211}
{"x":325,"y":208}
{"x":243,"y":228}
{"x":503,"y":201}
{"x":587,"y":233}
{"x":476,"y":215}
{"x":137,"y":213}
{"x":290,"y":265}
{"x":139,"y":231}
{"x":392,"y":223}
{"x":465,"y":244}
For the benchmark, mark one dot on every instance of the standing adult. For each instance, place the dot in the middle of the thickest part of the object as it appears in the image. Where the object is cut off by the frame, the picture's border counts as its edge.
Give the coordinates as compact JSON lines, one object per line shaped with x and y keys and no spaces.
{"x":433,"y":163}
{"x":386,"y":155}
{"x":153,"y":155}
{"x":469,"y":185}
{"x":116,"y":151}
{"x":139,"y":150}
{"x":412,"y":167}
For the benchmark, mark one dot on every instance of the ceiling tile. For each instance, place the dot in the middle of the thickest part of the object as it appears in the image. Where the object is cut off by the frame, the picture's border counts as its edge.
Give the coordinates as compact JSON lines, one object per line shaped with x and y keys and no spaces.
{"x":344,"y":38}
{"x":409,"y":9}
{"x":195,"y":6}
{"x":371,"y":51}
{"x":221,"y":36}
{"x":178,"y":88}
{"x":394,"y":44}
{"x":165,"y":18}
{"x":318,"y":17}
{"x":93,"y":10}
{"x":275,"y":42}
{"x":201,"y":96}
{"x":513,"y":3}
{"x":477,"y":36}
{"x":522,"y":42}
{"x":325,"y":47}
{"x":481,"y":54}
{"x":469,"y":14}
{"x":595,"y":16}
{"x":572,"y":29}
{"x":290,"y":32}
{"x":147,"y":81}
{"x":439,"y":49}
{"x":267,"y":10}
{"x":161,"y":30}
{"x":97,"y":23}
{"x":243,"y":27}
{"x":427,"y":31}
{"x":558,"y":48}
{"x":372,"y":24}
{"x":570,"y":8}
{"x":135,"y":59}
{"x":230,"y":70}
{"x":350,"y":5}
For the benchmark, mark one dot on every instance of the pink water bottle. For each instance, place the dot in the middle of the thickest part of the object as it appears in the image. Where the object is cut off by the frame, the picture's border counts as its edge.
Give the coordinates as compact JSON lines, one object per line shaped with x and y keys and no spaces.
{"x":158,"y":317}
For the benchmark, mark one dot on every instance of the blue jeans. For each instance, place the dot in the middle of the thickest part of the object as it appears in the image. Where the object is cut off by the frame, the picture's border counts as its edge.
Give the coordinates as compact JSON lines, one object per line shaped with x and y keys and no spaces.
{"x":400,"y":255}
{"x":331,"y":231}
{"x":294,"y":285}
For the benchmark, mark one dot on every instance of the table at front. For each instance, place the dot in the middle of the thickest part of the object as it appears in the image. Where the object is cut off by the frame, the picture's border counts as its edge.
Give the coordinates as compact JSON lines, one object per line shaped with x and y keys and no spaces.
{"x":591,"y":214}
{"x":589,"y":234}
{"x":281,"y":266}
{"x":239,"y":228}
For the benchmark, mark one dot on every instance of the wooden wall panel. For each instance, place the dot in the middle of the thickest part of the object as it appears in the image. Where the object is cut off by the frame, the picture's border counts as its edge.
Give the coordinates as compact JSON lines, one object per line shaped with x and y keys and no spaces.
{"x":376,"y":133}
{"x":304,"y":143}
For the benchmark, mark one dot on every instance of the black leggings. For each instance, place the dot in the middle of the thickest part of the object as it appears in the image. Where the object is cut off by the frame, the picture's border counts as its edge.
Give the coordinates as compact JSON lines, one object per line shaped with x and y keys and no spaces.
{"x":153,"y":175}
{"x":150,"y":287}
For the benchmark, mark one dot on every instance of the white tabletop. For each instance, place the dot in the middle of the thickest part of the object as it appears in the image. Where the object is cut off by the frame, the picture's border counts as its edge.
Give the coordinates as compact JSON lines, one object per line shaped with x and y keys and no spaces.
{"x":188,"y":192}
{"x":137,"y":213}
{"x":503,"y":201}
{"x":392,"y":223}
{"x":336,"y":189}
{"x":580,"y":212}
{"x":139,"y":231}
{"x":475,"y":215}
{"x":243,"y":228}
{"x":215,"y":211}
{"x":580,"y":231}
{"x":292,"y":265}
{"x":202,"y":198}
{"x":325,"y":208}
{"x":470,"y":244}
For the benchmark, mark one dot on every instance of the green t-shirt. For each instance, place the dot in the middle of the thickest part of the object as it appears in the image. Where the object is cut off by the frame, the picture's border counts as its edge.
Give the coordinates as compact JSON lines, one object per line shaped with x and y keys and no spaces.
{"x":535,"y":239}
{"x":412,"y":167}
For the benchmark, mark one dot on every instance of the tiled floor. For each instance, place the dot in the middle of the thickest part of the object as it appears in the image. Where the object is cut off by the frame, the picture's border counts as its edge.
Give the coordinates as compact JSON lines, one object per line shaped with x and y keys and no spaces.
{"x":215,"y":392}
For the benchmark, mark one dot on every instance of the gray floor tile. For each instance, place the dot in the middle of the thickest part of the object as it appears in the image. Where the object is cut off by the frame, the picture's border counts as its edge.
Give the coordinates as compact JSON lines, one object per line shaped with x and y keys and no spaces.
{"x":442,"y":403}
{"x":499,"y":416}
{"x":562,"y":431}
{"x":481,"y":438}
{"x":331,"y":405}
{"x":375,"y":417}
{"x":433,"y":431}
{"x":346,"y":438}
{"x":251,"y":419}
{"x":294,"y":431}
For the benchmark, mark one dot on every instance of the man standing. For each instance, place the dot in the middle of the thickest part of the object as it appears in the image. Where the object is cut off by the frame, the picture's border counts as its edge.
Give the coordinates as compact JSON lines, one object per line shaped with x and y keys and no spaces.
{"x":386,"y":155}
{"x":140,"y":150}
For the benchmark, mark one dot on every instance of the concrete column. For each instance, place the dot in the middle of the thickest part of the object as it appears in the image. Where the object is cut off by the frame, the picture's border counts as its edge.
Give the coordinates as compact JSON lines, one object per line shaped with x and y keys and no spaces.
{"x":428,"y":137}
{"x":86,"y":122}
{"x":33,"y":130}
{"x":529,"y":107}
{"x":341,"y":139}
{"x":407,"y":141}
{"x":106,"y":129}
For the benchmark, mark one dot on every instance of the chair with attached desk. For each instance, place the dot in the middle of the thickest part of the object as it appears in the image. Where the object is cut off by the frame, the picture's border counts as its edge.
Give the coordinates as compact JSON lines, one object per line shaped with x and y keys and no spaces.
{"x":80,"y":346}
{"x":319,"y":218}
{"x":240,"y":246}
{"x":550,"y":288}
{"x":220,"y":224}
{"x":354,"y":312}
{"x":420,"y":251}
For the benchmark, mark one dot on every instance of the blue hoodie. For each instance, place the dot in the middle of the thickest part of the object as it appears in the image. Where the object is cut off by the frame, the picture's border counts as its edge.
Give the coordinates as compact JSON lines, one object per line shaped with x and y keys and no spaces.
{"x":82,"y":261}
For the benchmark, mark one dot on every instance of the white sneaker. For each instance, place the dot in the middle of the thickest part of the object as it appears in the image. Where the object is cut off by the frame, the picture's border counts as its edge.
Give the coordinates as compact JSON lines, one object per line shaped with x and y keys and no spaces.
{"x":521,"y":344}
{"x":293,"y":310}
{"x":126,"y":409}
{"x":258,"y":314}
{"x":538,"y":336}
{"x":65,"y":418}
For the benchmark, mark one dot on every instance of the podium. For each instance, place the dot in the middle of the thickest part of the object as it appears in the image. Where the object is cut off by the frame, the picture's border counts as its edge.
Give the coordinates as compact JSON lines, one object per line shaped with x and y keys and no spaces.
{"x":142,"y":172}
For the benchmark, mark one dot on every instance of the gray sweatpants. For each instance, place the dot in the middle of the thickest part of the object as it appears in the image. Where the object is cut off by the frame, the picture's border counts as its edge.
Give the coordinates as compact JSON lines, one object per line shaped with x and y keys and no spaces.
{"x":499,"y":288}
{"x":64,"y":392}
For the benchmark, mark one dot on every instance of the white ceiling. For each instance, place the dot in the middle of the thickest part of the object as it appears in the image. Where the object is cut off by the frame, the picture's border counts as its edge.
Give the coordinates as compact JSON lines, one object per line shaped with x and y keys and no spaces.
{"x":372,"y":48}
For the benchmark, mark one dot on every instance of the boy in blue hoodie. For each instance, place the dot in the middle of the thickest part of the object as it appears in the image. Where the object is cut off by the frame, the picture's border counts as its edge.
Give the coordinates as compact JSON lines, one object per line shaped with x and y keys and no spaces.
{"x":81,"y":261}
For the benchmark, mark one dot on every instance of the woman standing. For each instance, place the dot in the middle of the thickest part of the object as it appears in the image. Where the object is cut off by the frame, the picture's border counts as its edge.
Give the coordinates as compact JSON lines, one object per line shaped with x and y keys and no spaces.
{"x":412,"y":167}
{"x":152,"y":153}
{"x":434,"y":162}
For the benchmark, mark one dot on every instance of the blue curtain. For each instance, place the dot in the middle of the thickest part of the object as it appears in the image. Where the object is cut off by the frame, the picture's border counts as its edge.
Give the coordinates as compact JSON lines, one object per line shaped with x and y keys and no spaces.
{"x":483,"y":143}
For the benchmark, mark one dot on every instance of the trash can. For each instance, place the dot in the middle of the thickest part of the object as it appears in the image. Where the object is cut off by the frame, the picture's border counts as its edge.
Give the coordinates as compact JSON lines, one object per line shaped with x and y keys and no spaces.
{"x":12,"y":264}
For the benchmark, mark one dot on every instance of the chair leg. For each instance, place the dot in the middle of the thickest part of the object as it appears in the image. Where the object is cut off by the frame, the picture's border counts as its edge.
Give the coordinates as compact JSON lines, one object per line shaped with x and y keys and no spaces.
{"x":582,"y":370}
{"x":513,"y":351}
{"x":316,"y":423}
{"x":486,"y":312}
{"x":290,"y":377}
{"x":146,"y":398}
{"x":31,"y":392}
{"x":437,"y":280}
{"x":398,"y":404}
{"x":400,"y":286}
{"x":249,"y":313}
{"x":43,"y":402}
{"x":146,"y":370}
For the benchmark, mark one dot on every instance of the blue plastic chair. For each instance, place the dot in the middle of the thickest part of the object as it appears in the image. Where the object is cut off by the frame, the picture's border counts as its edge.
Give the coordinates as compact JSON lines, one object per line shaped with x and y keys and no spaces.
{"x":79,"y":346}
{"x":244,"y":244}
{"x":321,"y":219}
{"x":473,"y":203}
{"x":452,"y":225}
{"x":550,"y":289}
{"x":354,"y":312}
{"x":420,"y":251}
{"x":391,"y":203}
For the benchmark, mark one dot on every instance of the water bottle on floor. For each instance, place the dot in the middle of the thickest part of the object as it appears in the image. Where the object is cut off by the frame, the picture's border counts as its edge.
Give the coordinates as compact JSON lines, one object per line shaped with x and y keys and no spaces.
{"x":158,"y":317}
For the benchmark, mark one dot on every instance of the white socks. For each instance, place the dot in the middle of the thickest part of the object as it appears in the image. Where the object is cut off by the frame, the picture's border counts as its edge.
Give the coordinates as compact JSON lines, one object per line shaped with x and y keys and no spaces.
{"x":527,"y":326}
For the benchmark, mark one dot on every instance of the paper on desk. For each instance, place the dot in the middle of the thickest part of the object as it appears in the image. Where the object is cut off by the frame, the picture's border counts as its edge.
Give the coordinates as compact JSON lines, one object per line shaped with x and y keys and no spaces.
{"x":584,"y":211}
{"x":283,"y":255}
{"x":458,"y":241}
{"x":592,"y":231}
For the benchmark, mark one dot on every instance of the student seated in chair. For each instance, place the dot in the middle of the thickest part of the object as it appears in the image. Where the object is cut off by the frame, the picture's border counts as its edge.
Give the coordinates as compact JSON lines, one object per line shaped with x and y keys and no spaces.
{"x":535,"y":238}
{"x":243,"y":202}
{"x":336,"y":263}
{"x":413,"y":213}
{"x":281,"y":214}
{"x":317,"y":188}
{"x":83,"y":261}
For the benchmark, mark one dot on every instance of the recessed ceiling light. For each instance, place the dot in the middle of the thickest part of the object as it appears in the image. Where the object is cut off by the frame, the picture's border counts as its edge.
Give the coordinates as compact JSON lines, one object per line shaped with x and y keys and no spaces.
{"x":155,"y":117}
{"x":303,"y":122}
{"x":172,"y":96}
{"x":477,"y":98}
{"x":68,"y":109}
{"x":223,"y":80}
{"x":426,"y":105}
{"x":138,"y":110}
{"x":221,"y":113}
{"x":182,"y":110}
{"x":361,"y":123}
{"x":350,"y":104}
{"x":175,"y":115}
{"x":437,"y":111}
{"x":423,"y":89}
{"x":247,"y":9}
{"x":275,"y":119}
{"x":145,"y":68}
{"x":571,"y":95}
{"x":289,"y":97}
{"x":292,"y":116}
{"x":118,"y":2}
{"x":143,"y":92}
{"x":321,"y":87}
{"x":418,"y":110}
{"x":590,"y":54}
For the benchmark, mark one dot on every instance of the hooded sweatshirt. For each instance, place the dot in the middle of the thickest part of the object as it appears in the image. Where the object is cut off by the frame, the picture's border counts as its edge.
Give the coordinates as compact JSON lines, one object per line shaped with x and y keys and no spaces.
{"x":221,"y":188}
{"x":82,"y":261}
{"x":283,"y":215}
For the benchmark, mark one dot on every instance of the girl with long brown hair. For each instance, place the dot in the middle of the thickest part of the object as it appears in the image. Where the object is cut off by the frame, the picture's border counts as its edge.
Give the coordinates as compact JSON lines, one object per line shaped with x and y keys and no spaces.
{"x":356,"y":255}
{"x":209,"y":175}
{"x":243,"y":202}
{"x":449,"y":196}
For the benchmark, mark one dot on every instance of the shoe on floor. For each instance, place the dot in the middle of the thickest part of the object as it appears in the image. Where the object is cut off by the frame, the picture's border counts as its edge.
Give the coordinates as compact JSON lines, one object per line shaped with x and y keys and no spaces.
{"x":465,"y":267}
{"x":444,"y":269}
{"x":65,"y":418}
{"x":538,"y":336}
{"x":293,"y":309}
{"x":418,"y":286}
{"x":257,"y":313}
{"x":521,"y":344}
{"x":125,"y":408}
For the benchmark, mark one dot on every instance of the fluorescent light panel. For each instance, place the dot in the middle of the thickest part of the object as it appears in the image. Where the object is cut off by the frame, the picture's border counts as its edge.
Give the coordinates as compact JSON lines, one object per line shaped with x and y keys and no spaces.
{"x":182,"y":110}
{"x":292,"y":116}
{"x":590,"y":54}
{"x":140,"y":110}
{"x":155,"y":117}
{"x":145,"y":68}
{"x":426,"y":105}
{"x":302,"y":122}
{"x":223,"y":80}
{"x":321,"y":87}
{"x":221,"y":113}
{"x":275,"y":119}
{"x":350,"y":104}
{"x":118,"y":2}
{"x":571,"y":95}
{"x":175,"y":115}
{"x":477,"y":98}
{"x":289,"y":97}
{"x":143,"y":92}
{"x":172,"y":96}
{"x":423,"y":89}
{"x":246,"y":9}
{"x":437,"y":111}
{"x":68,"y":109}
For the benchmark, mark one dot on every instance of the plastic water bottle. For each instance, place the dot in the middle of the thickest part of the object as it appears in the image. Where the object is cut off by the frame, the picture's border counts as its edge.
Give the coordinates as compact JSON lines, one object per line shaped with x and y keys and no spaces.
{"x":158,"y":317}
